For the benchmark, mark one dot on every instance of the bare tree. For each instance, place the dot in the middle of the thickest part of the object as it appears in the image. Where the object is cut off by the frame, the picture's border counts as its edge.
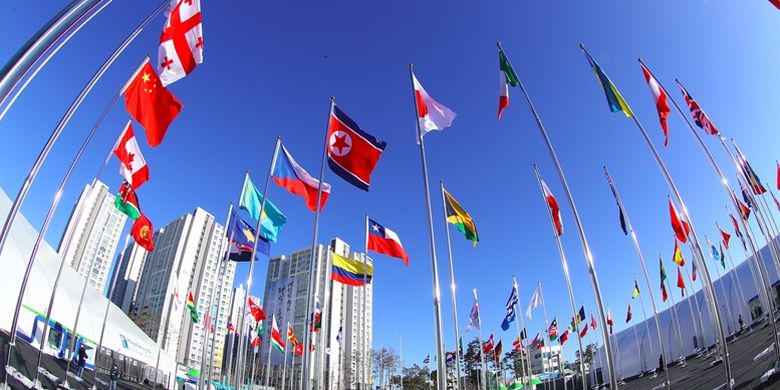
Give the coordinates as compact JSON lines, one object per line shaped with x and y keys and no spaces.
{"x":385,"y":361}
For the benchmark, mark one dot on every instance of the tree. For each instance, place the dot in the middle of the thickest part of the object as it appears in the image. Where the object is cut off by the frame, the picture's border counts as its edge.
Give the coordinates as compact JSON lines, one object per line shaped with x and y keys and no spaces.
{"x":587,"y":360}
{"x":416,"y":378}
{"x":516,"y":362}
{"x":384,"y":360}
{"x":472,"y":362}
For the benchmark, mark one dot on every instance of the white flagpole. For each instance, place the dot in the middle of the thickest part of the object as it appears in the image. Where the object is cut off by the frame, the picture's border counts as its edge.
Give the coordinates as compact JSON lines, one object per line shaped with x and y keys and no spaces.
{"x":676,"y":319}
{"x":452,"y":288}
{"x":325,"y":319}
{"x":547,"y":327}
{"x":306,"y":358}
{"x":641,"y":258}
{"x":647,"y":327}
{"x":722,"y":288}
{"x":567,"y":277}
{"x":594,"y":280}
{"x":698,"y":330}
{"x":365,"y":353}
{"x":42,"y":46}
{"x":483,"y":367}
{"x":401,"y":354}
{"x":284,"y":365}
{"x":441,"y":364}
{"x":518,"y":323}
{"x":735,"y":279}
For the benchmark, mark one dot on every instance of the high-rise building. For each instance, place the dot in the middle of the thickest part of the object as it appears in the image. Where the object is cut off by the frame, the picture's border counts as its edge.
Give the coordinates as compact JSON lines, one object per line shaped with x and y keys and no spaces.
{"x":187,"y":258}
{"x":95,"y":234}
{"x":127,"y":272}
{"x":340,"y":347}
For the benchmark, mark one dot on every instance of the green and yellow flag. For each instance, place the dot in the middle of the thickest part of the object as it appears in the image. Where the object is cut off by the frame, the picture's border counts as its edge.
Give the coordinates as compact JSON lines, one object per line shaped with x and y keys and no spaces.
{"x":457,"y":216}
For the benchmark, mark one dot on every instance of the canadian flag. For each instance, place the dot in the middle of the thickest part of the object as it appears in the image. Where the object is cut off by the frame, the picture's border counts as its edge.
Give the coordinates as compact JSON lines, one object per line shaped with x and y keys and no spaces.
{"x":181,"y":42}
{"x":132,"y":164}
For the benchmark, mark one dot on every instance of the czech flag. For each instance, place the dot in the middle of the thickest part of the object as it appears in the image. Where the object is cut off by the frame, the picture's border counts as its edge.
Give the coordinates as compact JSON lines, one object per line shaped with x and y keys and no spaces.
{"x":290,"y":176}
{"x":351,"y":272}
{"x":385,"y":241}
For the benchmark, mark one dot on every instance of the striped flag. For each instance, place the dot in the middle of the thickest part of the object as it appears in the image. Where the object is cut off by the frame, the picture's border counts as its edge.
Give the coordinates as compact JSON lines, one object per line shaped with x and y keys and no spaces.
{"x":507,"y":78}
{"x":660,"y":98}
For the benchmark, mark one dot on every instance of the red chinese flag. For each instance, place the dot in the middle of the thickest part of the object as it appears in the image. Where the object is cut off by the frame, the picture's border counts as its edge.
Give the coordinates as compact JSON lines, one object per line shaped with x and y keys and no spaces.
{"x":142,"y":233}
{"x":150,"y":103}
{"x":680,"y":227}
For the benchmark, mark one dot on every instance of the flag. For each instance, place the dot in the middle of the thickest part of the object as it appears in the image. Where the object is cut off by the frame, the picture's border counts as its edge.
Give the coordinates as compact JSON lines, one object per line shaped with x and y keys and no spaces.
{"x":680,"y":227}
{"x":251,"y":200}
{"x":150,"y":103}
{"x":564,"y":336}
{"x":699,"y":117}
{"x":427,"y":360}
{"x":298,"y":349}
{"x":243,"y":238}
{"x":431,"y":115}
{"x":635,"y":293}
{"x":776,"y":3}
{"x":552,"y":330}
{"x":777,"y":203}
{"x":191,"y":306}
{"x":661,"y":105}
{"x":744,"y":211}
{"x":385,"y":241}
{"x":592,"y":322}
{"x":726,"y":236}
{"x":536,"y":300}
{"x":535,"y":342}
{"x":614,"y":99}
{"x":292,"y":177}
{"x":677,"y":255}
{"x":750,"y":174}
{"x":555,"y":209}
{"x":722,"y":257}
{"x":628,"y":314}
{"x":664,"y":293}
{"x":623,"y":225}
{"x":510,"y":308}
{"x":746,"y":197}
{"x":126,"y":201}
{"x":181,"y":42}
{"x":778,"y":174}
{"x":291,"y":336}
{"x":715,"y":253}
{"x":488,"y":345}
{"x":474,"y":322}
{"x":680,"y":281}
{"x":142,"y":233}
{"x":449,"y":358}
{"x":507,"y":77}
{"x":316,"y":317}
{"x":497,"y":352}
{"x":257,"y":313}
{"x":523,"y":335}
{"x":276,"y":337}
{"x":540,"y":345}
{"x":584,"y":331}
{"x":132,"y":165}
{"x":351,"y":272}
{"x":517,"y":345}
{"x":230,"y":327}
{"x":581,"y":314}
{"x":352,"y":152}
{"x":736,"y":227}
{"x":340,"y":334}
{"x":460,"y":218}
{"x":610,"y":321}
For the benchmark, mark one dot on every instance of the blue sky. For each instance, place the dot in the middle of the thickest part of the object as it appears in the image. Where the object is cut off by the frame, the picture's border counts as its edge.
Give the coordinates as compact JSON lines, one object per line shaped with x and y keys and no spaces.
{"x":270,"y":68}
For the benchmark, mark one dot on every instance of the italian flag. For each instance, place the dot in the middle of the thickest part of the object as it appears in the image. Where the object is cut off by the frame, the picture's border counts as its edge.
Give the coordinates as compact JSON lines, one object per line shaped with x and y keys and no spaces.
{"x":507,"y":77}
{"x":276,"y":337}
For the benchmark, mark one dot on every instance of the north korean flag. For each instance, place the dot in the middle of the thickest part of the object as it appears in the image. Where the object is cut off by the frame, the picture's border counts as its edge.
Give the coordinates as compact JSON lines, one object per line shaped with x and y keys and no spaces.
{"x":385,"y":241}
{"x":352,"y":152}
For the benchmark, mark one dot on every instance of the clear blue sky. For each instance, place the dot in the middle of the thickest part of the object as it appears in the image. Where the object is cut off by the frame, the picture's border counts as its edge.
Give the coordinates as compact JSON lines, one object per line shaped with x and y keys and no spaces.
{"x":270,"y":68}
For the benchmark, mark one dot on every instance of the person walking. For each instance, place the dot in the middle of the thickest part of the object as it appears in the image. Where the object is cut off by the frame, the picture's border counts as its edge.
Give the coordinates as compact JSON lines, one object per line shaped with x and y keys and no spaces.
{"x":114,"y":374}
{"x":82,"y":361}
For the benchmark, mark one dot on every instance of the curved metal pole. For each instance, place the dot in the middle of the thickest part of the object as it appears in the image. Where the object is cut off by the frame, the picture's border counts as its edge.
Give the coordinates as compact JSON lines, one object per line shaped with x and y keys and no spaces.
{"x":729,"y":311}
{"x":594,"y":280}
{"x":46,"y":42}
{"x":697,"y":328}
{"x":641,"y":258}
{"x":452,"y":286}
{"x":676,"y":318}
{"x":565,"y":265}
{"x":521,"y":322}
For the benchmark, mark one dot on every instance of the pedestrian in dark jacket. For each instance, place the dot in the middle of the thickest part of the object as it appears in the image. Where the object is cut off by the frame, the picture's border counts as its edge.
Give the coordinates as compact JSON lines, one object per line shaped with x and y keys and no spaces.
{"x":82,"y":361}
{"x":114,"y":376}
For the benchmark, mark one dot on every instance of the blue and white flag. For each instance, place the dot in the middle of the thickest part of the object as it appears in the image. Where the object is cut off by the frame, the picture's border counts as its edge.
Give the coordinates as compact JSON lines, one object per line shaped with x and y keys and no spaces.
{"x":474,"y":322}
{"x":510,"y":309}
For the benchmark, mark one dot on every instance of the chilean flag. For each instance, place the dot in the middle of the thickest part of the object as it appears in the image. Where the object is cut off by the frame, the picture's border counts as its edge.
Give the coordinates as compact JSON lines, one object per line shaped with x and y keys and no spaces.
{"x":385,"y":241}
{"x":289,"y":175}
{"x":352,"y":152}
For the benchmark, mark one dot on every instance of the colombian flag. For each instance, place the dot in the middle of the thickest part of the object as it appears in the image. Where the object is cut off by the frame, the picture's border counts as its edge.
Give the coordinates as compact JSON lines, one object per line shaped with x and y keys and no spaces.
{"x":351,"y":272}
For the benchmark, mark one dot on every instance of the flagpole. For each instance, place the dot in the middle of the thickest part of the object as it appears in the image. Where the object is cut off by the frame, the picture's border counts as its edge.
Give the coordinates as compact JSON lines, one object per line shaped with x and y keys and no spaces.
{"x":722,"y":287}
{"x":54,"y":136}
{"x":312,"y":361}
{"x":580,"y":230}
{"x":221,"y":269}
{"x":639,"y":351}
{"x":735,"y":279}
{"x":647,"y":326}
{"x":483,"y":368}
{"x":270,"y":349}
{"x":284,"y":364}
{"x":565,"y":266}
{"x":305,"y":359}
{"x":441,"y":364}
{"x":164,"y":329}
{"x":518,"y":323}
{"x":325,"y":319}
{"x":676,"y":318}
{"x":366,"y":359}
{"x":695,"y":242}
{"x":725,"y":185}
{"x":547,"y":327}
{"x":226,"y":258}
{"x":756,"y":283}
{"x":401,"y":353}
{"x":452,"y":286}
{"x":641,"y":258}
{"x":44,"y":44}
